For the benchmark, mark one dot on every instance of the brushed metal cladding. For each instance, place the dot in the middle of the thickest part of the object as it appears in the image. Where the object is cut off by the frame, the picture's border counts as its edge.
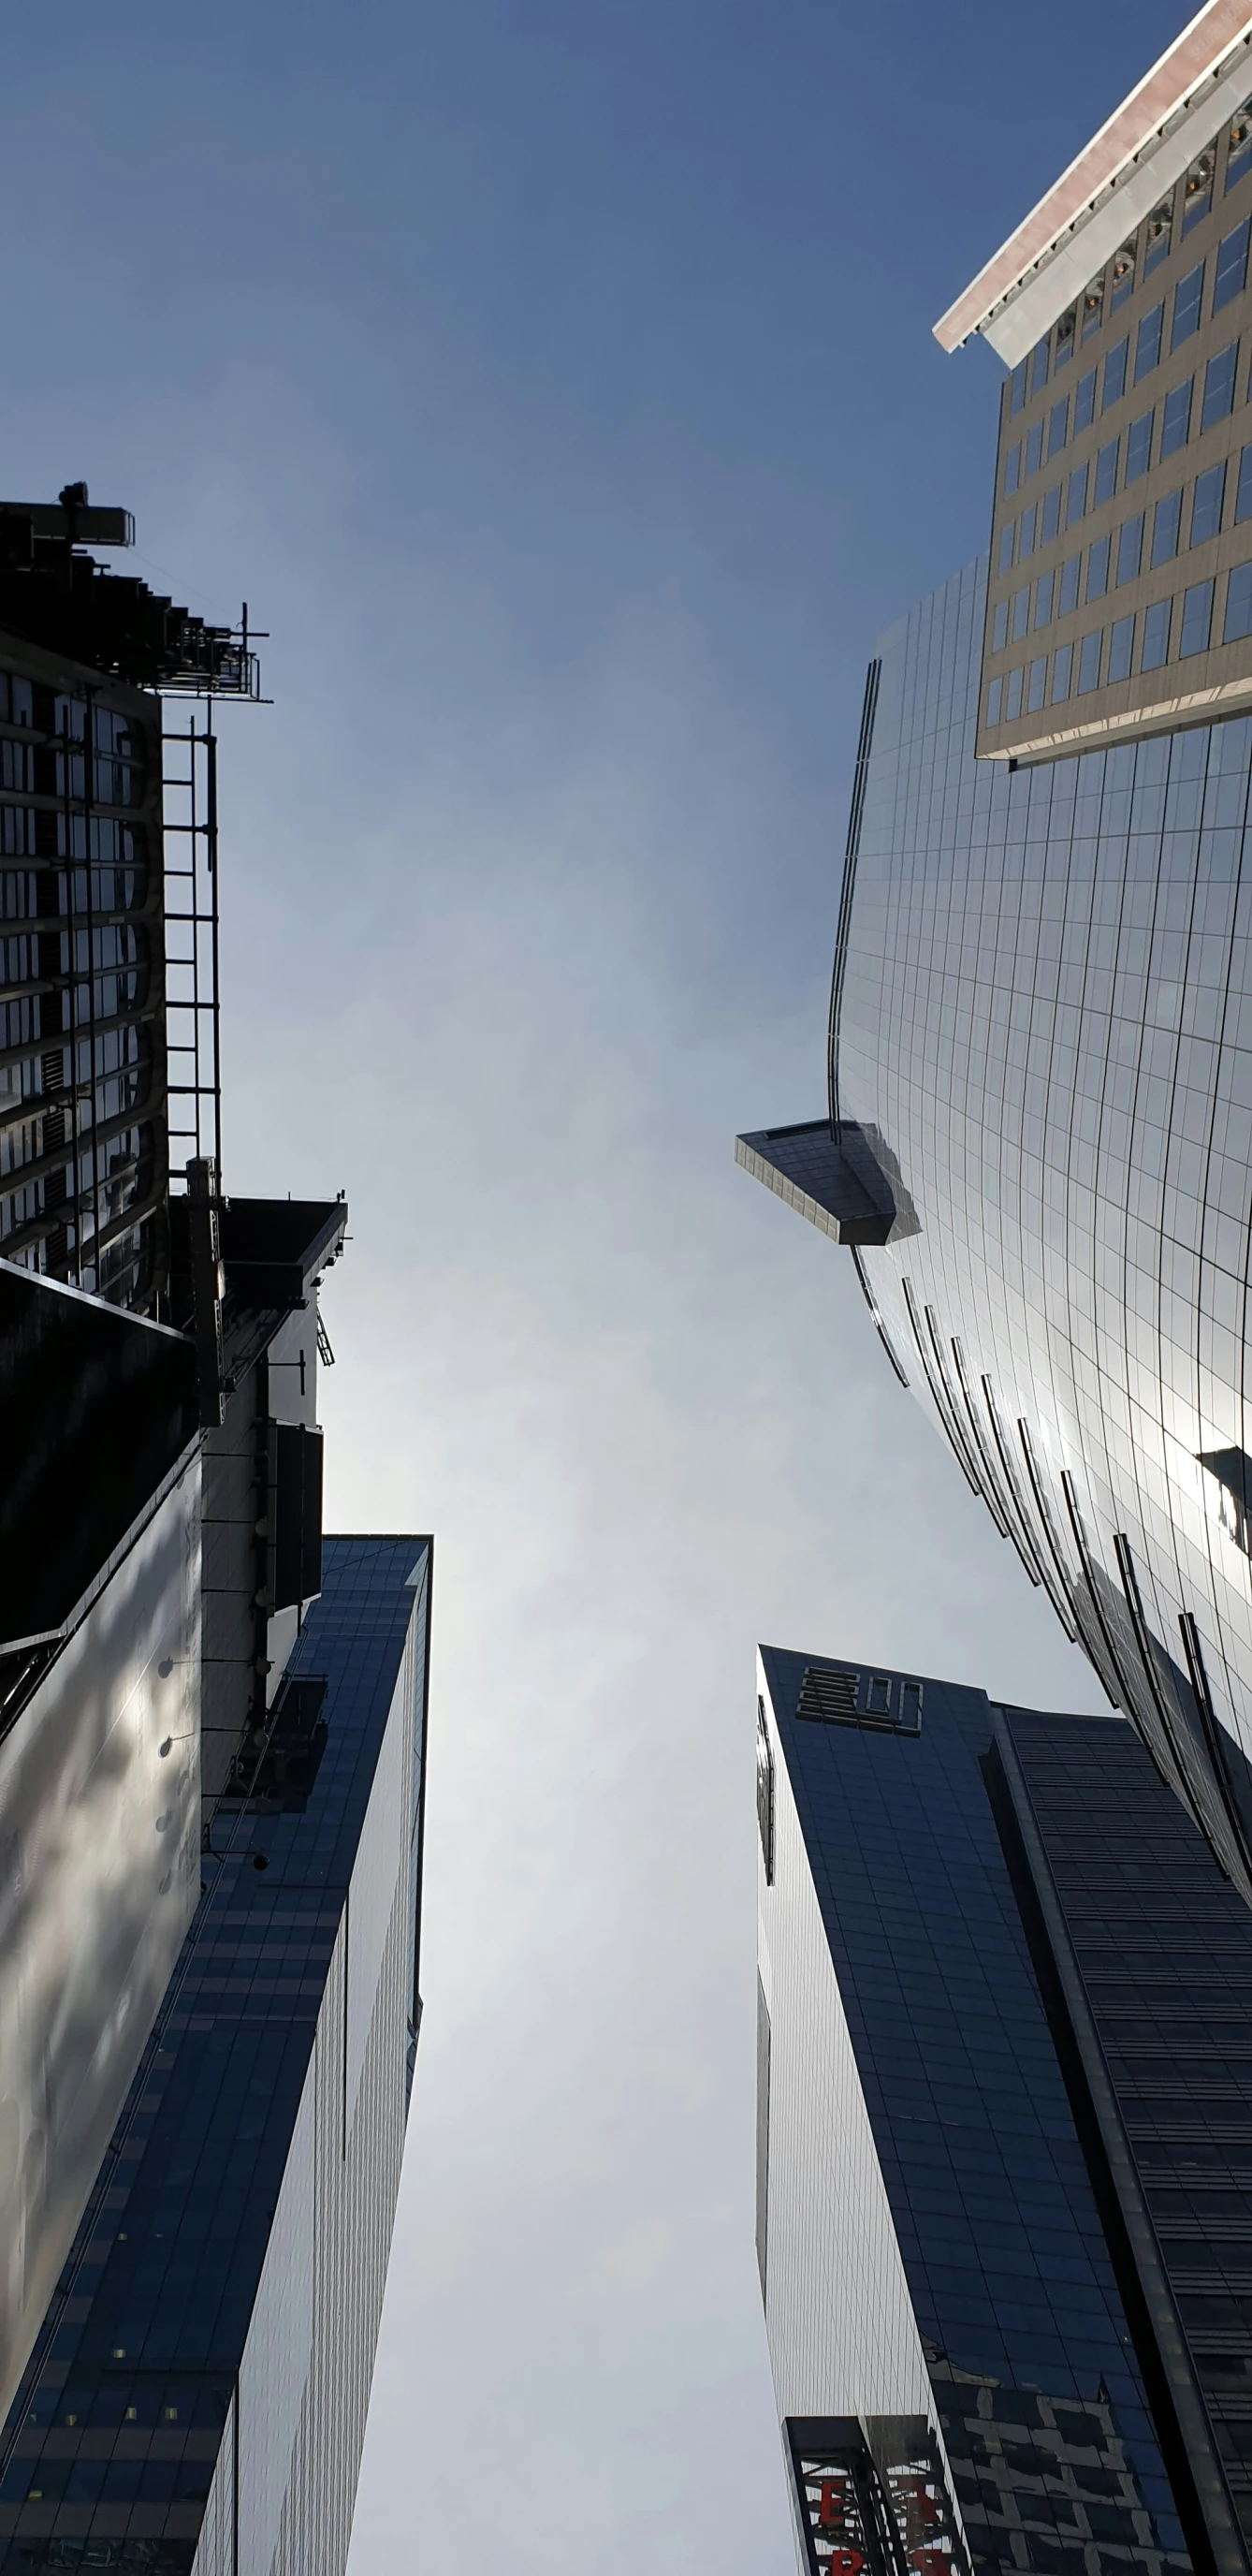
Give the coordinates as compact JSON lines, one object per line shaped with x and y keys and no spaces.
{"x":99,"y":1874}
{"x":1044,"y":1003}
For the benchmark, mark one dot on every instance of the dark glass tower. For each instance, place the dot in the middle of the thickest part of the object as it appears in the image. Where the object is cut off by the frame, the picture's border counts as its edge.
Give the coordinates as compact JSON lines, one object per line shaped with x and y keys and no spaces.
{"x":1038,"y":1139}
{"x":1005,"y":2137}
{"x":197,"y":2394}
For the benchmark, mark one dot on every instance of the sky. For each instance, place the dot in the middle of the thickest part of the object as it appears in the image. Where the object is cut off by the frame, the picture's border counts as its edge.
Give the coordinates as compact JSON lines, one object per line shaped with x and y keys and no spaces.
{"x":554,"y":379}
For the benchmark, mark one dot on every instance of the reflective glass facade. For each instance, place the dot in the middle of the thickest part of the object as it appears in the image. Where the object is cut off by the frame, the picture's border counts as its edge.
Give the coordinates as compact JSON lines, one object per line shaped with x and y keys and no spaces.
{"x":196,"y":2398}
{"x":1042,"y":1023}
{"x":1000,"y":2122}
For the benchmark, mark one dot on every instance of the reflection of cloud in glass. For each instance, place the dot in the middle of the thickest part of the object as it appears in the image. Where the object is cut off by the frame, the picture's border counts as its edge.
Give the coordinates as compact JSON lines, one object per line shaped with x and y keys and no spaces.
{"x":98,"y":1879}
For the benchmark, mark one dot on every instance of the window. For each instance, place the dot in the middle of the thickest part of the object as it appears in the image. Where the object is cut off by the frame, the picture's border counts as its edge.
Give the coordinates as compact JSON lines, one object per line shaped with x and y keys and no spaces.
{"x":1050,"y":514}
{"x":1166,"y":528}
{"x":1026,"y":537}
{"x":1076,"y":495}
{"x":1013,"y":696}
{"x":1122,"y":278}
{"x":1105,"y":483}
{"x":764,"y":1803}
{"x":1197,"y":190}
{"x":1148,"y":341}
{"x":1017,"y":389}
{"x":1130,"y":549}
{"x":1219,"y":386}
{"x":1062,"y":673}
{"x":1065,"y":338}
{"x":1187,"y":295}
{"x":1098,"y":569}
{"x":1197,"y":618}
{"x":1092,"y":308}
{"x":1115,"y":374}
{"x":1021,"y":613}
{"x":999,"y":626}
{"x":1043,"y":600}
{"x":995,"y":692}
{"x":1159,"y":232}
{"x":1176,"y":418}
{"x":1038,"y":366}
{"x":1231,"y":274}
{"x":1034,"y":448}
{"x":1089,"y":663}
{"x":1139,"y":446}
{"x":1155,"y":635}
{"x":1036,"y":679}
{"x":1067,"y":585}
{"x":1238,"y":604}
{"x":1012,"y":468}
{"x":1084,"y":401}
{"x":1004,"y":551}
{"x":1206,"y":505}
{"x":1058,"y":426}
{"x":1121,"y":646}
{"x":1243,"y":490}
{"x":1239,"y":145}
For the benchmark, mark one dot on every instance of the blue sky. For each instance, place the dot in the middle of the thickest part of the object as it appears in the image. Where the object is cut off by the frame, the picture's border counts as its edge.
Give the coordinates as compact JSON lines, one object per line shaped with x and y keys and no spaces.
{"x":556,"y":383}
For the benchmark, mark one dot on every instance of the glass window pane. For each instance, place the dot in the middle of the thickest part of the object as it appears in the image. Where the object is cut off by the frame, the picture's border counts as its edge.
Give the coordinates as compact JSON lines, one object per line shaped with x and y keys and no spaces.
{"x":1166,"y":526}
{"x":1197,"y":190}
{"x":1231,"y":275}
{"x":995,"y":691}
{"x":1121,"y":645}
{"x":1076,"y":495}
{"x":1122,"y":277}
{"x":1098,"y":569}
{"x":1038,"y":366}
{"x":1035,"y":684}
{"x":1017,"y":389}
{"x":1089,"y":662}
{"x":1062,"y":671}
{"x":1159,"y":235}
{"x":1243,"y":489}
{"x":1084,"y":401}
{"x":1000,"y":626}
{"x":1138,"y":447}
{"x":1064,"y":349}
{"x":1034,"y":448}
{"x":1004,"y":552}
{"x":1238,"y":604}
{"x":1013,"y":695}
{"x":1115,"y":374}
{"x":1206,"y":506}
{"x":1058,"y":426}
{"x":1021,"y":613}
{"x":1013,"y":468}
{"x":1187,"y":296}
{"x":1106,"y":472}
{"x":1219,"y":386}
{"x":1026,"y":532}
{"x":1155,"y":635}
{"x":1067,"y":585}
{"x":1176,"y":417}
{"x":1130,"y":549}
{"x":1148,"y":341}
{"x":1050,"y":514}
{"x":1197,"y":618}
{"x":1043,"y":600}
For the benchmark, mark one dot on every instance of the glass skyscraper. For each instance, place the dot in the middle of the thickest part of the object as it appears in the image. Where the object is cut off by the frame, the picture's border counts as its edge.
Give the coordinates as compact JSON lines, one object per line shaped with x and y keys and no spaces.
{"x":1038,"y":1142}
{"x":196,"y":2397}
{"x":1004,"y":2170}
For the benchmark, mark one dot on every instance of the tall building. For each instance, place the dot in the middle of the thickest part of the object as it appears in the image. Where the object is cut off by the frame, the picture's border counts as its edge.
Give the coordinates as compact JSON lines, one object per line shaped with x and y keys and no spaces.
{"x":1004,"y":2203}
{"x":1038,"y":1137}
{"x":197,"y":2395}
{"x":92,"y":1077}
{"x":211,"y":1734}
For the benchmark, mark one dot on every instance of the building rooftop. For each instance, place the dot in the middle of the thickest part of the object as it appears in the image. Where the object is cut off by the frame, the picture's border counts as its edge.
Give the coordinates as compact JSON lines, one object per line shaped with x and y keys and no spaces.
{"x":1200,"y":80}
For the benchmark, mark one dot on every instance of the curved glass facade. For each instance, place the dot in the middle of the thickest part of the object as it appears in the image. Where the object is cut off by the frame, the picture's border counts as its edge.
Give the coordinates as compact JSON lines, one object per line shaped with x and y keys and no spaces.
{"x":1042,"y":1022}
